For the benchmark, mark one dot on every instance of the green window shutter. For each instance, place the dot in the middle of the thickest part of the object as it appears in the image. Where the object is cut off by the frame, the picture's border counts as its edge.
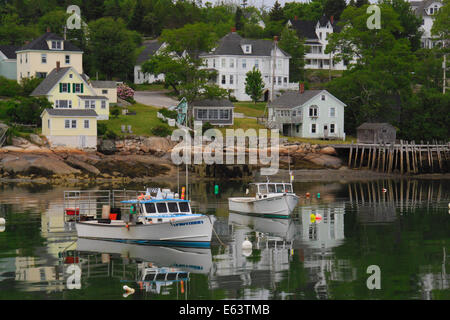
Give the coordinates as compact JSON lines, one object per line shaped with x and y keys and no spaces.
{"x":81,"y":88}
{"x":60,"y":87}
{"x":68,"y":87}
{"x":73,"y":87}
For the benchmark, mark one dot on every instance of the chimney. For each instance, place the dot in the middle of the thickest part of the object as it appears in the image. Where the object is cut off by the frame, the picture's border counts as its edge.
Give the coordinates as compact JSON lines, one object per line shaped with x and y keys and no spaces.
{"x":295,"y":18}
{"x":233,"y":29}
{"x":275,"y":38}
{"x":58,"y":66}
{"x":301,"y":87}
{"x":332,"y":19}
{"x":48,"y":29}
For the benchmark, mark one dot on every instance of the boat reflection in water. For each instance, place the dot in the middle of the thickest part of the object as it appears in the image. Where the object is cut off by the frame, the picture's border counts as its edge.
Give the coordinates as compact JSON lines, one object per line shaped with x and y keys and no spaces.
{"x":158,"y":267}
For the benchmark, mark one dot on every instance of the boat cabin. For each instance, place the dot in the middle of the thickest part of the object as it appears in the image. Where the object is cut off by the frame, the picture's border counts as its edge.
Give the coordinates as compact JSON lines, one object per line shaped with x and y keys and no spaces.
{"x":268,"y":187}
{"x":153,"y":206}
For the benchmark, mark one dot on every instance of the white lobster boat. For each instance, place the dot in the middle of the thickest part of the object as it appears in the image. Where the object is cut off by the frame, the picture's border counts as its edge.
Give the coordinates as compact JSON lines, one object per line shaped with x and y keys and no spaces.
{"x":160,"y":220}
{"x":275,"y":200}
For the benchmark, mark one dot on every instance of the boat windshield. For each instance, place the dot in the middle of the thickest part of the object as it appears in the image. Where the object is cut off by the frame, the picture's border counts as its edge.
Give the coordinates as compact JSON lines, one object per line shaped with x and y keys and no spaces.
{"x":162,"y":207}
{"x":288,"y":187}
{"x":263,"y":188}
{"x":150,"y":207}
{"x":280,"y":188}
{"x":172,"y":207}
{"x":271,"y":187}
{"x":184,"y":207}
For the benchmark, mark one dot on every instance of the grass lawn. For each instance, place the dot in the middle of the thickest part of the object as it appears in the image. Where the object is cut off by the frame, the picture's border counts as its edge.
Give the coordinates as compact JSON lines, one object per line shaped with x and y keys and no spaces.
{"x":141,"y":123}
{"x":150,"y":87}
{"x":250,"y":109}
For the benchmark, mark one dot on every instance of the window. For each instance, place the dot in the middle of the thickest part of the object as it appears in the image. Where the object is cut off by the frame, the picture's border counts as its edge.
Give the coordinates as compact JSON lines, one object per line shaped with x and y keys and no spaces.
{"x":257,"y":64}
{"x":202,"y":114}
{"x":214,"y":63}
{"x":279,"y":81}
{"x":332,"y":112}
{"x":332,"y":128}
{"x":48,"y":123}
{"x":67,"y":124}
{"x":64,"y":87}
{"x":313,"y":111}
{"x":231,"y":63}
{"x":92,"y":104}
{"x":86,"y":124}
{"x":20,"y":59}
{"x":285,"y":81}
{"x":56,"y":45}
{"x":26,"y":57}
{"x":150,"y":208}
{"x":184,"y":206}
{"x":288,"y":188}
{"x":172,"y":206}
{"x":271,"y":188}
{"x":323,"y":97}
{"x":86,"y":104}
{"x":313,"y":128}
{"x":294,"y":113}
{"x":67,"y":59}
{"x":162,"y":207}
{"x":103,"y":104}
{"x":224,"y":81}
{"x":231,"y":79}
{"x":44,"y":58}
{"x":77,"y":87}
{"x":63,"y":104}
{"x":41,"y":75}
{"x":263,"y":188}
{"x":213,"y":114}
{"x":279,"y":64}
{"x":223,"y":63}
{"x":104,"y":91}
{"x":224,"y":114}
{"x":74,"y":124}
{"x":247,"y":49}
{"x":244,"y":64}
{"x":280,"y":188}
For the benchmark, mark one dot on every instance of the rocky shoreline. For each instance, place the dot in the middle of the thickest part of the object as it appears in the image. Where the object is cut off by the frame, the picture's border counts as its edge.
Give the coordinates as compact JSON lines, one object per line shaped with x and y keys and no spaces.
{"x":148,"y":158}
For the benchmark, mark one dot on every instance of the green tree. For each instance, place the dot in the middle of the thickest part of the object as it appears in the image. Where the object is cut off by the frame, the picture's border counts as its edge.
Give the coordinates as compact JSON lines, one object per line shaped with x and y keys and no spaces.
{"x":55,"y":20}
{"x":238,"y":19}
{"x":26,"y":110}
{"x":137,"y":18}
{"x":276,"y":13}
{"x":254,"y":84}
{"x":290,"y":43}
{"x":112,"y":47}
{"x":441,"y":24}
{"x":334,"y":8}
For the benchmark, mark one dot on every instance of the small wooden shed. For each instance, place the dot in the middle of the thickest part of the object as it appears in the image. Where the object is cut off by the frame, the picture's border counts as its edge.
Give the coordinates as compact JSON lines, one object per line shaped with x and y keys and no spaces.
{"x":376,"y":133}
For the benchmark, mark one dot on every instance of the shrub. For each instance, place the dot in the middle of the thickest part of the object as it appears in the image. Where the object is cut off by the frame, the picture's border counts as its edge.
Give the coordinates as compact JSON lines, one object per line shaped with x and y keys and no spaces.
{"x":9,"y":88}
{"x":115,"y":112}
{"x":125,"y":92}
{"x":29,"y":84}
{"x":110,"y":134}
{"x":161,"y":131}
{"x":101,"y":128}
{"x":26,"y":110}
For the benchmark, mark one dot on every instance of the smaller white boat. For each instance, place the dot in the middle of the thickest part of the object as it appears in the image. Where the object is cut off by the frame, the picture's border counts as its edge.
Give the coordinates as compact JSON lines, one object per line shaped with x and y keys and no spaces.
{"x":160,"y":220}
{"x":275,"y":200}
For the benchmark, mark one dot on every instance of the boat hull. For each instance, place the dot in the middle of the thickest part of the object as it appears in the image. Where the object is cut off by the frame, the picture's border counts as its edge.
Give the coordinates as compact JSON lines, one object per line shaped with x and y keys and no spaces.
{"x":274,"y":206}
{"x":190,"y":232}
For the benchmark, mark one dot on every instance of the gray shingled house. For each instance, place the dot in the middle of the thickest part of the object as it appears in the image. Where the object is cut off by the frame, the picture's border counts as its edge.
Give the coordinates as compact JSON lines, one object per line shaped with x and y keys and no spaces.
{"x":376,"y":133}
{"x":215,"y":111}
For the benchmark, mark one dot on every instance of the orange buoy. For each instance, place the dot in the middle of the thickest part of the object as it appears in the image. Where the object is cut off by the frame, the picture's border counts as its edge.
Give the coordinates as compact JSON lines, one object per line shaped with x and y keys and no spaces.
{"x":307,"y":194}
{"x":384,"y":190}
{"x":318,"y":217}
{"x":182,"y":286}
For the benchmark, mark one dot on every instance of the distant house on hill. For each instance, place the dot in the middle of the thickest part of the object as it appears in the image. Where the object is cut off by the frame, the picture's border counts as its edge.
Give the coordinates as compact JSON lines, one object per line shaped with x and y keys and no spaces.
{"x":38,"y":57}
{"x":307,"y":113}
{"x":65,"y":88}
{"x":8,"y":61}
{"x":234,"y":56}
{"x":315,"y":34}
{"x":214,"y":111}
{"x":426,"y":10}
{"x":152,"y":47}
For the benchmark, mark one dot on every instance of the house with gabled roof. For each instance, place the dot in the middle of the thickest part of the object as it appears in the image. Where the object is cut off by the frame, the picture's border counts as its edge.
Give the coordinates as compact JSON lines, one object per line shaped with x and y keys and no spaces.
{"x":315,"y":34}
{"x":308,"y":114}
{"x":426,"y":10}
{"x":151,"y":47}
{"x":234,"y":56}
{"x":65,"y":88}
{"x":8,"y":61}
{"x":105,"y":88}
{"x":75,"y":128}
{"x":38,"y":57}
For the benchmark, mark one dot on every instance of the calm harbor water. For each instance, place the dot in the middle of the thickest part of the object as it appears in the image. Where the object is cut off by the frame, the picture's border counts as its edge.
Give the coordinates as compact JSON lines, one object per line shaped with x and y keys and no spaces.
{"x":405,"y":231}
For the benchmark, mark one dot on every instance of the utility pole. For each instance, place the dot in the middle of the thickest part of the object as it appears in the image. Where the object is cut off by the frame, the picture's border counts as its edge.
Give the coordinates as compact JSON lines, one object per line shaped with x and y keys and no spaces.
{"x":275,"y":39}
{"x":444,"y":66}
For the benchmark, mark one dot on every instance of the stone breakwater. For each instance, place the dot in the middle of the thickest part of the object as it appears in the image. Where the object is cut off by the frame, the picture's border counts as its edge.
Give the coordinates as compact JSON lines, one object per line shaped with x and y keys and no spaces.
{"x":131,"y":158}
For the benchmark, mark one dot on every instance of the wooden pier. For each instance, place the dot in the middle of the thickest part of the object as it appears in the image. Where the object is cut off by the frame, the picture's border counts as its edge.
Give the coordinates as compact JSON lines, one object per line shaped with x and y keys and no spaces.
{"x":405,"y":157}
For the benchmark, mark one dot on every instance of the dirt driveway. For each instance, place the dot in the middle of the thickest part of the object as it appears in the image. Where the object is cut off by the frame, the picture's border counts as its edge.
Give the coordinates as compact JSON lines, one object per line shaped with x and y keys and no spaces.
{"x":154,"y":98}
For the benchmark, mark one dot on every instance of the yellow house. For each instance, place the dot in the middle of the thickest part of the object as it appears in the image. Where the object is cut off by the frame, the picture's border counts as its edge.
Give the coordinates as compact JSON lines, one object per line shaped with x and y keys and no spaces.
{"x":76,"y":128}
{"x":38,"y":57}
{"x":65,"y":88}
{"x":105,"y":88}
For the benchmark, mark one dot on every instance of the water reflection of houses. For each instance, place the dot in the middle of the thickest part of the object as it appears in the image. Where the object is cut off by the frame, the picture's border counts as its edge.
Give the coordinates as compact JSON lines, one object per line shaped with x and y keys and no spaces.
{"x":430,"y":280}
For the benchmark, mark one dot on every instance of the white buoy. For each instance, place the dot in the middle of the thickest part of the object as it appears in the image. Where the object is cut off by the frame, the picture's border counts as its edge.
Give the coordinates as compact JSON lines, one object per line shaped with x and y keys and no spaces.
{"x":247,"y":252}
{"x":246,"y":245}
{"x":449,"y":205}
{"x":128,"y":289}
{"x":2,"y":228}
{"x":3,"y":221}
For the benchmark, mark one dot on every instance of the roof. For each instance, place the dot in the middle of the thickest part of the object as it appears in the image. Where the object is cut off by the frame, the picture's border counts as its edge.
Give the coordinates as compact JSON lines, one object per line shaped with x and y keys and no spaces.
{"x":72,"y":112}
{"x":212,"y":103}
{"x":41,"y":43}
{"x":420,"y":6}
{"x":150,"y":49}
{"x":307,"y":29}
{"x":93,"y":97}
{"x":231,"y":44}
{"x":103,"y":84}
{"x":49,"y":82}
{"x":375,"y":125}
{"x":9,"y":51}
{"x":291,"y":99}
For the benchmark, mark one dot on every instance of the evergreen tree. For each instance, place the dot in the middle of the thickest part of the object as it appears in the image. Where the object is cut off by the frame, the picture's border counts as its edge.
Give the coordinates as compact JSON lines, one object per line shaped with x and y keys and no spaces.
{"x":276,"y":13}
{"x":334,"y":8}
{"x":238,"y":17}
{"x":137,"y":17}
